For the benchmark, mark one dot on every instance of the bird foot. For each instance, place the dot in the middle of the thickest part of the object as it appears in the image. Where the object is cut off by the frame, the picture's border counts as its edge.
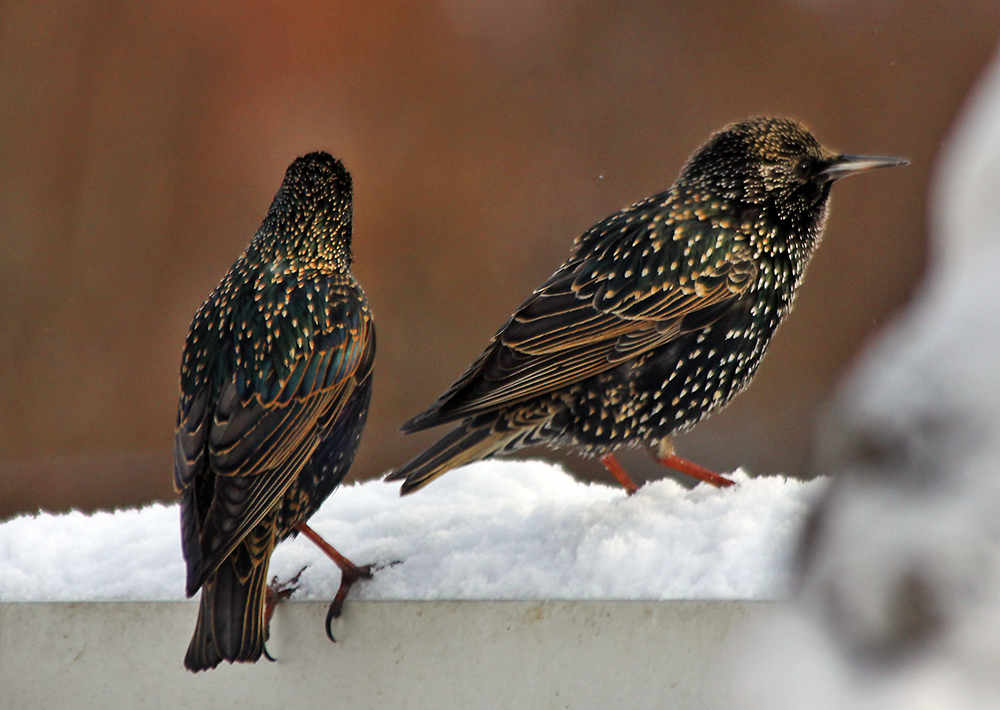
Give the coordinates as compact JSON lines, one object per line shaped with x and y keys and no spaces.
{"x":347,"y":579}
{"x":280,"y":591}
{"x":349,"y":574}
{"x":275,"y":594}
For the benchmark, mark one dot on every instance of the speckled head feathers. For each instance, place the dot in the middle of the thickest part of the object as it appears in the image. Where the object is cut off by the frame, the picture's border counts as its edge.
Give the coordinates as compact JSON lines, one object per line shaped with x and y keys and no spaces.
{"x":311,"y":215}
{"x":766,"y":140}
{"x":763,"y":160}
{"x":774,"y":163}
{"x":317,"y":174}
{"x":777,"y":139}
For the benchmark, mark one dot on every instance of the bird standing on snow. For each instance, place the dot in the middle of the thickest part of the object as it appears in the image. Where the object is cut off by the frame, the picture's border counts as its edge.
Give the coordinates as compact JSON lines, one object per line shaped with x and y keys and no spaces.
{"x":275,"y":385}
{"x":660,"y":316}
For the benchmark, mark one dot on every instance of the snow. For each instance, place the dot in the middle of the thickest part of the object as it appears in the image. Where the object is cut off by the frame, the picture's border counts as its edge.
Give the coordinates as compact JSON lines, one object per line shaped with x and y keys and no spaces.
{"x":492,"y":530}
{"x":899,"y":601}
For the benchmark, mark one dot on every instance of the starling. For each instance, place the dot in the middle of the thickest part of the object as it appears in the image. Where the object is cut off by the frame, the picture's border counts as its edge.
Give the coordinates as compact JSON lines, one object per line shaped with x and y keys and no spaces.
{"x":275,"y":385}
{"x":659,"y":317}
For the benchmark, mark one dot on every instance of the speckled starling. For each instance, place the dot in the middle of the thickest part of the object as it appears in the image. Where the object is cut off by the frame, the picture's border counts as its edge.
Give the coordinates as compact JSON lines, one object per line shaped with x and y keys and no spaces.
{"x":660,"y":316}
{"x":275,"y":385}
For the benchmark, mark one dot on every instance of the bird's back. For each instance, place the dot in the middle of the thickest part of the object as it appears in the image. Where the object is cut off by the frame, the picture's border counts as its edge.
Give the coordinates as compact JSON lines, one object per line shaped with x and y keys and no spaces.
{"x":275,"y":385}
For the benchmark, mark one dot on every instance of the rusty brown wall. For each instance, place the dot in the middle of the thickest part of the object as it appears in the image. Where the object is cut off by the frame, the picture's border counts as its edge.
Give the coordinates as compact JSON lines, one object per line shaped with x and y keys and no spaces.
{"x":141,"y":143}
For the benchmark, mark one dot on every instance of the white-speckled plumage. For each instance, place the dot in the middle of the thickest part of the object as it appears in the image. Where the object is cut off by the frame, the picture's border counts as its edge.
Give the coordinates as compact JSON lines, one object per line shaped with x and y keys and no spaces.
{"x":660,"y":316}
{"x":274,"y":392}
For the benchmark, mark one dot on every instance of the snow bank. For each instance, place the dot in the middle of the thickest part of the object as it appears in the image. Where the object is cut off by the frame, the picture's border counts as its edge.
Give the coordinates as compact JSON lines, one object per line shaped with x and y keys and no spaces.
{"x":493,"y":530}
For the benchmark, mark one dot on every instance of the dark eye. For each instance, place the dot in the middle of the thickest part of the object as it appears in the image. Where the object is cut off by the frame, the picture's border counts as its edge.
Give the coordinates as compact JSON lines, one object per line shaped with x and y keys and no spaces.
{"x":804,"y":168}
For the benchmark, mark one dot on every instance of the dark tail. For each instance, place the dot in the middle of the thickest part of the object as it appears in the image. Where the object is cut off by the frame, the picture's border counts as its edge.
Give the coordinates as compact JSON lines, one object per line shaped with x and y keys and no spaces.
{"x":464,"y":444}
{"x":231,"y":617}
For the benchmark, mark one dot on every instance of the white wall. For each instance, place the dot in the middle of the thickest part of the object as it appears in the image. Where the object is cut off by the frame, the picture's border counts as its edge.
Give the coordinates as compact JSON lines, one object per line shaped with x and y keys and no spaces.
{"x":469,"y":655}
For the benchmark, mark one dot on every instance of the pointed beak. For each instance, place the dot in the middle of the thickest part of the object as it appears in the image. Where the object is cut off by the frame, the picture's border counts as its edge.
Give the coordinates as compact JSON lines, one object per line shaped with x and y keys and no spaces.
{"x":844,"y":165}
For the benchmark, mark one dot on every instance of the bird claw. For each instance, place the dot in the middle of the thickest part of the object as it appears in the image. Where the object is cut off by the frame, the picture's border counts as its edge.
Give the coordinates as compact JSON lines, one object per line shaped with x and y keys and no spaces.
{"x":347,"y":580}
{"x":275,"y":594}
{"x":387,"y":565}
{"x":280,"y":592}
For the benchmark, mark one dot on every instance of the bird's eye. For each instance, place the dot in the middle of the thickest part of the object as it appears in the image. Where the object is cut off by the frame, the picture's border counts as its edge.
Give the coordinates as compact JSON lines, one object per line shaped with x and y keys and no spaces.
{"x":804,"y":167}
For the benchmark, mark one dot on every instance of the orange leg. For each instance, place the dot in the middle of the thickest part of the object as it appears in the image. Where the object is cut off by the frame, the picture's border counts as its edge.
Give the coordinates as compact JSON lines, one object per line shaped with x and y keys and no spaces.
{"x":349,"y":574}
{"x":692,"y":469}
{"x":611,"y":463}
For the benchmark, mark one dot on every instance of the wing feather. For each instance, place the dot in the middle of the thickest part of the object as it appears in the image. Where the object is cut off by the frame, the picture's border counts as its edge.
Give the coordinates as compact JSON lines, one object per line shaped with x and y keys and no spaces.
{"x":577,"y":325}
{"x":251,"y":445}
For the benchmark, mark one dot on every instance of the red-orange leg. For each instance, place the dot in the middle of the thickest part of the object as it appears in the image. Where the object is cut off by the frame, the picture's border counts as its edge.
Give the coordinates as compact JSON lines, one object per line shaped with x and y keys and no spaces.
{"x":692,"y":469}
{"x":611,"y":463}
{"x":349,"y":574}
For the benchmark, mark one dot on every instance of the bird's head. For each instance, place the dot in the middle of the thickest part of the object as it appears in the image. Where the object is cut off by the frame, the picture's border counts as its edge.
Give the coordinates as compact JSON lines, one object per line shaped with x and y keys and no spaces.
{"x":311,"y":216}
{"x":776,"y":164}
{"x":317,"y":189}
{"x":315,"y":177}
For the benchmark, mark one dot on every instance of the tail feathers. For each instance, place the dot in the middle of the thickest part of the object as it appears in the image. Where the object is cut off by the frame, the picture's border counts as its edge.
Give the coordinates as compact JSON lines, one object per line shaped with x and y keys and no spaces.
{"x":463,"y":445}
{"x":231,"y":618}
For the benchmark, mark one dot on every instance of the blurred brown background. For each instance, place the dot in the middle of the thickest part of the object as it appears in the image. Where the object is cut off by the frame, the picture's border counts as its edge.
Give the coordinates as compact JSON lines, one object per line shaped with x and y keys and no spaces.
{"x":141,"y":144}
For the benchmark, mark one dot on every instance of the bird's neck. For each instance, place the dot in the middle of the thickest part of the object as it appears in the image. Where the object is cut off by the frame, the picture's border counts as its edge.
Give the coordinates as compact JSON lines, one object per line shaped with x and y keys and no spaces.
{"x":321,"y":250}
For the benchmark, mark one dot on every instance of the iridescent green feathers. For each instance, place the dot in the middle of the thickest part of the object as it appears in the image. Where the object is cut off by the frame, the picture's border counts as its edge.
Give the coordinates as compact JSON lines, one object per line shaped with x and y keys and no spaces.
{"x":290,"y":290}
{"x":272,"y":357}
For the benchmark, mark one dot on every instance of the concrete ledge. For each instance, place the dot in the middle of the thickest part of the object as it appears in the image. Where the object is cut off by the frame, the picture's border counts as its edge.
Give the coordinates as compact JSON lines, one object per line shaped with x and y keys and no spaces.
{"x":448,"y":654}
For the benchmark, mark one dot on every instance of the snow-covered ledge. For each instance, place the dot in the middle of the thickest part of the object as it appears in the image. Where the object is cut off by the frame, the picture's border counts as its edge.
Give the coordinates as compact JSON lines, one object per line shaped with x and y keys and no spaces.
{"x":651,"y":589}
{"x":430,"y":654}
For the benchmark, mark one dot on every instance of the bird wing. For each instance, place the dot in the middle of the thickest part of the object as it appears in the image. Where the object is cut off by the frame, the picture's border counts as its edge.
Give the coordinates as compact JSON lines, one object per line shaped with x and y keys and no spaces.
{"x":235,"y":457}
{"x":591,"y":316}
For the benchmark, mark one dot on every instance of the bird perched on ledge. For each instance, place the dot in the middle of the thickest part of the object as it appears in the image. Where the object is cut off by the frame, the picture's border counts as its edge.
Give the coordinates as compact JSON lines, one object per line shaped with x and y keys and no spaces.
{"x":660,"y":316}
{"x":275,"y":385}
